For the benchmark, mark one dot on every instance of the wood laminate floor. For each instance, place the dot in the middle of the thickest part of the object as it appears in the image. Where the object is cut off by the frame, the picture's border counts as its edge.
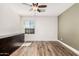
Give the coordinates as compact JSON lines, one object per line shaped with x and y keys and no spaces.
{"x":43,"y":48}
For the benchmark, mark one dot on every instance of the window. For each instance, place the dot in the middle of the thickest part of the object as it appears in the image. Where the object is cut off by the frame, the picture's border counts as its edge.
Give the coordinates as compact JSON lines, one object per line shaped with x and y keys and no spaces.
{"x":29,"y":27}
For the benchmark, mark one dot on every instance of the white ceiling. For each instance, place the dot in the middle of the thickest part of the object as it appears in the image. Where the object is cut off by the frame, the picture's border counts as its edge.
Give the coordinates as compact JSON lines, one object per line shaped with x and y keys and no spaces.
{"x":53,"y":9}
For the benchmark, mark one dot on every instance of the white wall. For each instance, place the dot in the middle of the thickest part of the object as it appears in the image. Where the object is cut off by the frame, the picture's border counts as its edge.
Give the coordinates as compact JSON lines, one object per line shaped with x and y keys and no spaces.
{"x":9,"y":21}
{"x":45,"y":28}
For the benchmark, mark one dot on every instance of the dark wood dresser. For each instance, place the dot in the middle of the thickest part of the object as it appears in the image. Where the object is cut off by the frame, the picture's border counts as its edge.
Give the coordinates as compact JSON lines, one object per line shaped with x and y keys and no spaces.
{"x":10,"y":44}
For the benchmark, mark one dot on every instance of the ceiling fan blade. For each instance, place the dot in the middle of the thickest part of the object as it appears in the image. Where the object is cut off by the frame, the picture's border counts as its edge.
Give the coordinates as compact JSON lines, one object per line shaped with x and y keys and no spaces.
{"x":35,"y":4}
{"x":42,"y":6}
{"x":38,"y":10}
{"x":27,"y":4}
{"x":41,"y":10}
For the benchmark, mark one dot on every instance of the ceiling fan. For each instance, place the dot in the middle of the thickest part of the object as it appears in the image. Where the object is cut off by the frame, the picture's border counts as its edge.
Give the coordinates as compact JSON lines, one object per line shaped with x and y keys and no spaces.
{"x":36,"y":7}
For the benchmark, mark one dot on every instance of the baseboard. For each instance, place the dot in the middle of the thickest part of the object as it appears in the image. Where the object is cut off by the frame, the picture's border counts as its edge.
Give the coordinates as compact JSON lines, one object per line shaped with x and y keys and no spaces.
{"x":74,"y":50}
{"x":40,"y":40}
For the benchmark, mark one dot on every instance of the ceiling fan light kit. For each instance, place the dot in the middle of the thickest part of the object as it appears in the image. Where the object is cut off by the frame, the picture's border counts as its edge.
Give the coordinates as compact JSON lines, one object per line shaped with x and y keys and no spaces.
{"x":34,"y":8}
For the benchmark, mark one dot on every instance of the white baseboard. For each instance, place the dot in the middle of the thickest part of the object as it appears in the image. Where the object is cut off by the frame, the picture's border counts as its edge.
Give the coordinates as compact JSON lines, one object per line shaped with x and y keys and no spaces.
{"x":74,"y":50}
{"x":40,"y":40}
